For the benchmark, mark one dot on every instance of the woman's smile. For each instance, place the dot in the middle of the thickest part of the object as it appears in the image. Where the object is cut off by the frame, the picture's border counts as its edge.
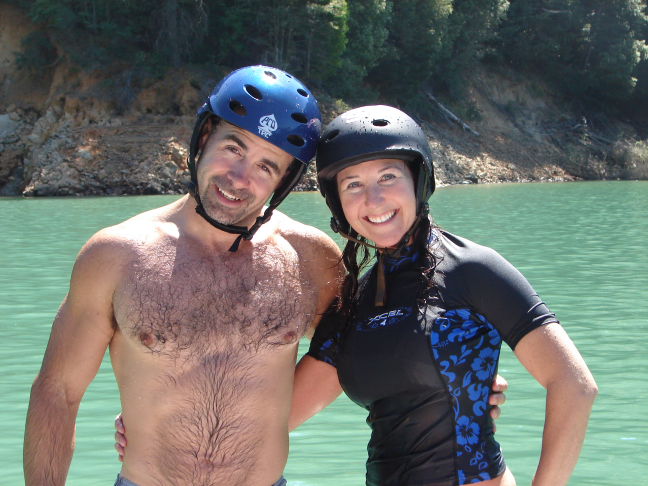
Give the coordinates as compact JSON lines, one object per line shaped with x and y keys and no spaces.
{"x":382,"y":218}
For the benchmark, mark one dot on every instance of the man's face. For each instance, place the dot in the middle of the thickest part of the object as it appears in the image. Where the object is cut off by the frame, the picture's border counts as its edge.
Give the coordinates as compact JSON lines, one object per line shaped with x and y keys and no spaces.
{"x":237,"y":173}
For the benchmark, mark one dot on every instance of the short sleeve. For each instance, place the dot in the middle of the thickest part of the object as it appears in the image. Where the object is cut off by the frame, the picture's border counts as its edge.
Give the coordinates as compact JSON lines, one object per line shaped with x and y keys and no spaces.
{"x":325,"y":342}
{"x":496,"y":290}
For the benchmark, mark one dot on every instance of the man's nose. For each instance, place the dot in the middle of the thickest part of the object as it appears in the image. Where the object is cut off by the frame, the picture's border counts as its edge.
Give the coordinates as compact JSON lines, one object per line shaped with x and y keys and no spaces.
{"x":239,"y":173}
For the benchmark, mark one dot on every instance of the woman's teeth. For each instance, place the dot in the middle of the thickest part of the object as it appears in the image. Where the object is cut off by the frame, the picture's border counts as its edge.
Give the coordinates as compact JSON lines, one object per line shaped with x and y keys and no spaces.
{"x":383,"y":218}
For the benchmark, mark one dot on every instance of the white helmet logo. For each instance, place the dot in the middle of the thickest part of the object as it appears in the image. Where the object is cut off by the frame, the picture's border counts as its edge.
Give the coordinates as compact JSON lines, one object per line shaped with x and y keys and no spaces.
{"x":268,"y":124}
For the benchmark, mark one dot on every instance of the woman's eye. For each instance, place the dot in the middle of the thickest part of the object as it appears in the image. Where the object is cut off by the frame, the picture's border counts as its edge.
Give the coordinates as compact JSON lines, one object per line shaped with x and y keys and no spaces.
{"x":387,"y":177}
{"x":353,"y":185}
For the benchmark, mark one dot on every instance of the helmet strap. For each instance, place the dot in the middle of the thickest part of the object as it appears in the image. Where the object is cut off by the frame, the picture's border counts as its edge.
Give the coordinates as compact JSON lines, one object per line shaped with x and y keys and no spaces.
{"x":242,"y":231}
{"x":381,"y":287}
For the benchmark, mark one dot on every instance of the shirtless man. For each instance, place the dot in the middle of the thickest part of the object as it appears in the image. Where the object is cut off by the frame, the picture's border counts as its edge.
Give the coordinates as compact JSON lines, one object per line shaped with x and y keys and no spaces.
{"x":203,"y":341}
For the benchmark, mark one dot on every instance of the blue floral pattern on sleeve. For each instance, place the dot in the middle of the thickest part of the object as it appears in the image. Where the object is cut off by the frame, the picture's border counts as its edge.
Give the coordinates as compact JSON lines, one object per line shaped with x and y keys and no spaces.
{"x":466,"y":349}
{"x":329,"y":350}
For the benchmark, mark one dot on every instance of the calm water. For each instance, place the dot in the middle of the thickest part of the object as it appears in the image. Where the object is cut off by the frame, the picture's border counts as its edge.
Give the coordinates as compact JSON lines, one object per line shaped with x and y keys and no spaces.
{"x":581,"y":245}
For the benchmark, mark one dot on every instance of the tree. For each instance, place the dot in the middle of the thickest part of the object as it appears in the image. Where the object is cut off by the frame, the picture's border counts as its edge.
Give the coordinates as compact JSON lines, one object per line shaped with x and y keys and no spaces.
{"x":471,"y":27}
{"x":589,"y":49}
{"x":417,"y":31}
{"x":368,"y":22}
{"x":177,"y":27}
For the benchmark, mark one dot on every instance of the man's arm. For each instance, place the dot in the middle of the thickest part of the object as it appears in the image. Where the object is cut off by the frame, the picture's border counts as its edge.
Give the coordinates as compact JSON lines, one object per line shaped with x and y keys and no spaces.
{"x":82,"y":329}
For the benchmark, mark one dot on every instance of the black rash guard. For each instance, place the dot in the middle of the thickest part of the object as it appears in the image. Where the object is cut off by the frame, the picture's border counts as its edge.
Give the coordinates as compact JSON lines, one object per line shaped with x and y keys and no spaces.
{"x":424,"y":375}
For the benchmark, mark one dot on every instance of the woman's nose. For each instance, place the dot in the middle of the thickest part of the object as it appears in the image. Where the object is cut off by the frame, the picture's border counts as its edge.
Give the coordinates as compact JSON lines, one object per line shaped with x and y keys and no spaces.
{"x":374,"y":196}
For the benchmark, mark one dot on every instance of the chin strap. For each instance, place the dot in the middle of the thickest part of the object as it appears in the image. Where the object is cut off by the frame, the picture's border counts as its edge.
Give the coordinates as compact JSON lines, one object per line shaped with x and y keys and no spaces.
{"x":242,"y":231}
{"x":381,"y":287}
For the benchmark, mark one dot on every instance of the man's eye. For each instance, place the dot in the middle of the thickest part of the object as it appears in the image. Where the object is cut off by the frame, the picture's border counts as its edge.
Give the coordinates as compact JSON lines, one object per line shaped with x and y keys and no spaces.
{"x":233,"y":149}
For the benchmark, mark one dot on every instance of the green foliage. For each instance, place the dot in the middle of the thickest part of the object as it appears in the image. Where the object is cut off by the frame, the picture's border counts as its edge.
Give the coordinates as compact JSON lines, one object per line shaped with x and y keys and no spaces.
{"x":368,"y":22}
{"x":228,"y":33}
{"x":37,"y":53}
{"x":325,"y":37}
{"x":471,"y":27}
{"x":589,"y":49}
{"x":415,"y":43}
{"x":360,"y":50}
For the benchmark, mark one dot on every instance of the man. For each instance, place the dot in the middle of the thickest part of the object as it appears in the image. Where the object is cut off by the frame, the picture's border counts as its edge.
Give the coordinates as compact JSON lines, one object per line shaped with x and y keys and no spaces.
{"x":202,"y":340}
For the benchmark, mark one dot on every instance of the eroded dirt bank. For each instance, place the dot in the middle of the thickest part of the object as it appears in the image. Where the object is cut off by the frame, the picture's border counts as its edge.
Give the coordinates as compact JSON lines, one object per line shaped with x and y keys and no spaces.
{"x":66,"y":132}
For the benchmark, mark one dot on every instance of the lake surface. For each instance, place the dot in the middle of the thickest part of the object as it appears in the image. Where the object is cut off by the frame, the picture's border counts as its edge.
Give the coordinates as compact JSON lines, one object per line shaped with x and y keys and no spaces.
{"x":583,"y":246}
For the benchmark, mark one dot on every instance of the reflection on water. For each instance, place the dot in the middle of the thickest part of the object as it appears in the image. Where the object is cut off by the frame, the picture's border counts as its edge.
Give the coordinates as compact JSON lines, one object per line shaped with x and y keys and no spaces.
{"x":582,"y":246}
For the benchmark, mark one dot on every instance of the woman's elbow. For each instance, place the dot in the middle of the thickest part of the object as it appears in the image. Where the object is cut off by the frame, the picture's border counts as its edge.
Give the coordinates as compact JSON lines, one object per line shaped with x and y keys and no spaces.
{"x":590,"y":390}
{"x":583,"y":391}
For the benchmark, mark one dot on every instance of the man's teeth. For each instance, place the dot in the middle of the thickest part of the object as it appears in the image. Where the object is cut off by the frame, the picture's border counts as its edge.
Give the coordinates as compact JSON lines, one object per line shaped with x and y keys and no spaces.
{"x":383,"y":218}
{"x":228,"y":196}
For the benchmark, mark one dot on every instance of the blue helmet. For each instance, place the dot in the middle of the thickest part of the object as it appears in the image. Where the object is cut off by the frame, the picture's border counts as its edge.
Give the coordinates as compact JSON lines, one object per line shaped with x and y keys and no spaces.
{"x":269,"y":103}
{"x":273,"y":105}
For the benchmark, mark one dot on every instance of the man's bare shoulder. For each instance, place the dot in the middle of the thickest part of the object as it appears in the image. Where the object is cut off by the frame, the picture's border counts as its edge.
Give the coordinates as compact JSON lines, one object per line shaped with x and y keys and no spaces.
{"x":307,"y":240}
{"x":123,"y":241}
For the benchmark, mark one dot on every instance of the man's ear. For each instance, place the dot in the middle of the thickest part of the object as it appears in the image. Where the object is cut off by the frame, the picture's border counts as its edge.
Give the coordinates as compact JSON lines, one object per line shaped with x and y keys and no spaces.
{"x":204,"y":134}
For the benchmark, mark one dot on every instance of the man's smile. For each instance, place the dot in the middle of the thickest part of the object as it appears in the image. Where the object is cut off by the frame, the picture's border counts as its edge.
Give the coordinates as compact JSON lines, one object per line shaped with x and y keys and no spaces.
{"x":228,"y":195}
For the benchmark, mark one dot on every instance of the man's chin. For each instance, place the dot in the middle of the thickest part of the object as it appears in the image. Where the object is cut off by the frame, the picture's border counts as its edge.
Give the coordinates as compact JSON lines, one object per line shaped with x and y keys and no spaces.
{"x":227,"y":218}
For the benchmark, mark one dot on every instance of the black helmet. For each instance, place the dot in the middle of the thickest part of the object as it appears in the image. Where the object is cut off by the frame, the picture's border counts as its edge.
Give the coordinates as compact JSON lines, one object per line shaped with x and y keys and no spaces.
{"x":370,"y":133}
{"x":269,"y":103}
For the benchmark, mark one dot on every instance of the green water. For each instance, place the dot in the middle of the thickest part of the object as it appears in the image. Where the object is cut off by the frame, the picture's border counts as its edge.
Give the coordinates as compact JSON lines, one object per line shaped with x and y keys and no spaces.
{"x":581,"y":245}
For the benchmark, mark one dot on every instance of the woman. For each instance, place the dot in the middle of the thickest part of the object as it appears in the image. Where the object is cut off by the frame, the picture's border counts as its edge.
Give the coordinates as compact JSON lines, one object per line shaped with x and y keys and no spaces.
{"x":416,"y":339}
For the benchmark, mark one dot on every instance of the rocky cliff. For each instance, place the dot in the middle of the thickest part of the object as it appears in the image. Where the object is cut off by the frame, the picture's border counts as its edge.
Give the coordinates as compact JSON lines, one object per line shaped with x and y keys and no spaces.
{"x":65,"y":131}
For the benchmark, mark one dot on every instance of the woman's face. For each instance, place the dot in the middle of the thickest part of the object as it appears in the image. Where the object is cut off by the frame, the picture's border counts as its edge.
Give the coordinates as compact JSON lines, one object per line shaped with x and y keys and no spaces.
{"x":378,"y":199}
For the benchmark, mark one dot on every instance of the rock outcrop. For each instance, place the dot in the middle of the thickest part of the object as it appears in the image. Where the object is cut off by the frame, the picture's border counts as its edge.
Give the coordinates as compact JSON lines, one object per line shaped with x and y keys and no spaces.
{"x":67,"y":132}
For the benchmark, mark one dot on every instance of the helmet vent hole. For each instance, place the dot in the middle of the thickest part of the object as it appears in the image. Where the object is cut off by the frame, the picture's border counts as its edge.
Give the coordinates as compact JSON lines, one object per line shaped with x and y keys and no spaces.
{"x":253,"y":92}
{"x":237,"y":108}
{"x":270,"y":74}
{"x":332,"y":135}
{"x":299,"y":118}
{"x":302,"y":92}
{"x":380,"y":123}
{"x":296,"y":140}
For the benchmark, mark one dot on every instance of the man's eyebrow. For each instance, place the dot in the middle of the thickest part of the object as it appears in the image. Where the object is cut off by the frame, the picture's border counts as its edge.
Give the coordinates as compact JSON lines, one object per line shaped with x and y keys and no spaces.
{"x":237,"y":140}
{"x":270,"y":163}
{"x":273,"y":165}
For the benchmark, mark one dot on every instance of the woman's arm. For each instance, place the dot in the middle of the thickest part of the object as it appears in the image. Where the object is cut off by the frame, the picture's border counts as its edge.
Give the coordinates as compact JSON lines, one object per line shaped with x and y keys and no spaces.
{"x":551,"y":357}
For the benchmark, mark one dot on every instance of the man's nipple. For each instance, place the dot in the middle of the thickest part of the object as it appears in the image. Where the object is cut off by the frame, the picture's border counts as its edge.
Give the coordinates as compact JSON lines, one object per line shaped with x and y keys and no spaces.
{"x":290,"y":337}
{"x":146,"y":339}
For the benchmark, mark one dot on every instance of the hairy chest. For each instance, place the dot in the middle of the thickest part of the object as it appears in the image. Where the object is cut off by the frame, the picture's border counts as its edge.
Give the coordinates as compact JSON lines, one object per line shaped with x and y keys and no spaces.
{"x":173,"y":302}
